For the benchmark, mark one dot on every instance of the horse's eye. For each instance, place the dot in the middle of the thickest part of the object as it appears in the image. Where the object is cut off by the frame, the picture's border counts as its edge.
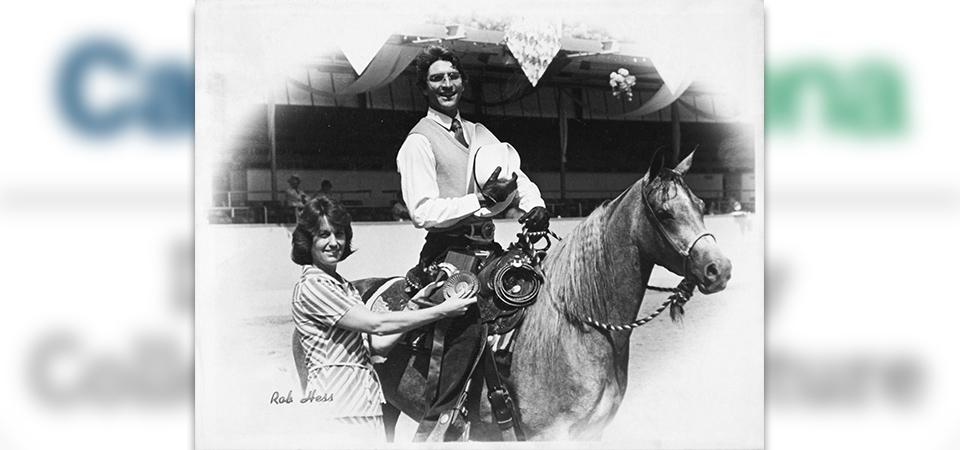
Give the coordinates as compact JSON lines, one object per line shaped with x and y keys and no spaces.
{"x":664,"y":214}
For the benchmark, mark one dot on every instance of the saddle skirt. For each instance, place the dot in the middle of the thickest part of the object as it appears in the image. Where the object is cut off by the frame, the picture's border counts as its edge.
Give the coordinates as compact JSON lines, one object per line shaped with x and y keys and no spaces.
{"x":497,"y":360}
{"x":501,"y":322}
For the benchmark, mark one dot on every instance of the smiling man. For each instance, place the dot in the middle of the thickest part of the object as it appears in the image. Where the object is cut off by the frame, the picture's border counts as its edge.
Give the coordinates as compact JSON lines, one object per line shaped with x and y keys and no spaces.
{"x":434,"y":165}
{"x":441,"y":195}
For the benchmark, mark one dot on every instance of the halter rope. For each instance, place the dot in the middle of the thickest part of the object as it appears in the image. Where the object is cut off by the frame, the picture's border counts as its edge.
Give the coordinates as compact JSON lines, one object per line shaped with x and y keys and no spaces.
{"x":681,"y":295}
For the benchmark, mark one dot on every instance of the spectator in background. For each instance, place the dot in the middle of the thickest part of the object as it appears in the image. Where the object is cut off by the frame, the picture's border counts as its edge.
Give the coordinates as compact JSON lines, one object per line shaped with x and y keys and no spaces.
{"x":711,"y":207}
{"x":295,"y":197}
{"x":326,"y":189}
{"x":399,"y":209}
{"x":741,"y":217}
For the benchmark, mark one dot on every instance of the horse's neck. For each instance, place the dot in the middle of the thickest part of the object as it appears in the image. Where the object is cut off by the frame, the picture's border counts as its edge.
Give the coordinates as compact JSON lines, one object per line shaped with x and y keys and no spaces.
{"x":596,"y":273}
{"x":600,"y":272}
{"x":625,"y":214}
{"x":567,"y":373}
{"x":629,"y":266}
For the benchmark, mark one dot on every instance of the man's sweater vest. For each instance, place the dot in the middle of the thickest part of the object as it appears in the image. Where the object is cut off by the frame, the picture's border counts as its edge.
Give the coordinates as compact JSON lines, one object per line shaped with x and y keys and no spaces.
{"x":452,"y":157}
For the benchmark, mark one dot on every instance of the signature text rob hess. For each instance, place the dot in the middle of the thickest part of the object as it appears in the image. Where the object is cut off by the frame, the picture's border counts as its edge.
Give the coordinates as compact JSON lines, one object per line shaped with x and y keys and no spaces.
{"x":312,"y":397}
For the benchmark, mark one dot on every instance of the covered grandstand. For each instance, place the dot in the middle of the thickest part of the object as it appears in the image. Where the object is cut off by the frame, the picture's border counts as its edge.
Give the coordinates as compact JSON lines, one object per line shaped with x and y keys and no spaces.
{"x":343,"y":120}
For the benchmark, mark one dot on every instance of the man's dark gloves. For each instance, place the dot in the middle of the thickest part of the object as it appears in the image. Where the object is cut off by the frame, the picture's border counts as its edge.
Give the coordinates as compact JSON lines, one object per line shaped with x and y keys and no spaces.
{"x":537,"y":219}
{"x":496,"y":190}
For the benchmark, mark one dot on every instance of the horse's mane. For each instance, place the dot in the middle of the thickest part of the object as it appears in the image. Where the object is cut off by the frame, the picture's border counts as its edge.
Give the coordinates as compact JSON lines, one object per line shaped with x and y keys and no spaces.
{"x":576,"y":272}
{"x":573,"y":287}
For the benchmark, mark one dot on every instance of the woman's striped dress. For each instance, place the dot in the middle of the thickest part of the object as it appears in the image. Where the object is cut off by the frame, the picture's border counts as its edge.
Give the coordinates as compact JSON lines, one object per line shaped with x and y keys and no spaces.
{"x":339,"y":370}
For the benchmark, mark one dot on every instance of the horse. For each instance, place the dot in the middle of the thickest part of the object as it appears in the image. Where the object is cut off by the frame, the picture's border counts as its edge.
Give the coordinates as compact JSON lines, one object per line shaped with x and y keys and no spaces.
{"x":569,"y":375}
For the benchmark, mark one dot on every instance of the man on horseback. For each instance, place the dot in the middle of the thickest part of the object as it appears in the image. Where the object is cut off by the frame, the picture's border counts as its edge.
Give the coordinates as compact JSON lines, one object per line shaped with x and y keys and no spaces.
{"x":443,"y":195}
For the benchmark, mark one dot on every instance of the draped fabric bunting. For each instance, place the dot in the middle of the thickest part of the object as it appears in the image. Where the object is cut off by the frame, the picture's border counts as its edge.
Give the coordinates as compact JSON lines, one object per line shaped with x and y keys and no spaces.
{"x":675,"y":72}
{"x":534,"y":43}
{"x":360,"y":54}
{"x":389,"y":63}
{"x":710,"y":115}
{"x":361,"y":32}
{"x":677,"y":75}
{"x":517,"y":89}
{"x":661,"y":99}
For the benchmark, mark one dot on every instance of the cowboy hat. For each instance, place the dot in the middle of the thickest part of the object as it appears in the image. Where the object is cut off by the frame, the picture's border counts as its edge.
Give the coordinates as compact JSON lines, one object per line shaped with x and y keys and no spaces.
{"x":483,"y":161}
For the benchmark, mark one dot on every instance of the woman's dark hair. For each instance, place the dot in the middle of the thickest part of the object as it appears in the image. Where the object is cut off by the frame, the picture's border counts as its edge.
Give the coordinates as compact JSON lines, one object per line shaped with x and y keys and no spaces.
{"x":430,"y":55}
{"x":308,"y":226}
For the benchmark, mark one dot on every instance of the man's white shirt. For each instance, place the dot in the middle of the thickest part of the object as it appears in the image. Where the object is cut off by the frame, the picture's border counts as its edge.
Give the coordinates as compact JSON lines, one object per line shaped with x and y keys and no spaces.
{"x":418,"y":181}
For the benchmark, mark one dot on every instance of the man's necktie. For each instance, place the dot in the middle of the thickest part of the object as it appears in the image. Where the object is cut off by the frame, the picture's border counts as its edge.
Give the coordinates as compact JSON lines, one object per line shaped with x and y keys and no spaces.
{"x":458,"y":132}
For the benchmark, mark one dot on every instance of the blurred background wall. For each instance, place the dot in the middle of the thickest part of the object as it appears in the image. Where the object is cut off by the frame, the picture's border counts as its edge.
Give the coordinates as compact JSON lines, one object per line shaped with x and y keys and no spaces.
{"x":97,"y":213}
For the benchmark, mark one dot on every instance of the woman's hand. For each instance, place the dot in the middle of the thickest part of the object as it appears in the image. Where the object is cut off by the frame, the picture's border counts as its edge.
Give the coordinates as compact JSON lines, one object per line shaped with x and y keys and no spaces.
{"x":450,"y":306}
{"x":427,"y":291}
{"x":456,"y":306}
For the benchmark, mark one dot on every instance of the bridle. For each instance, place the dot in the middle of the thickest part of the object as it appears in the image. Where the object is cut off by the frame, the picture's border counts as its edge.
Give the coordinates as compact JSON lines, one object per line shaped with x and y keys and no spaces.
{"x":682,"y":249}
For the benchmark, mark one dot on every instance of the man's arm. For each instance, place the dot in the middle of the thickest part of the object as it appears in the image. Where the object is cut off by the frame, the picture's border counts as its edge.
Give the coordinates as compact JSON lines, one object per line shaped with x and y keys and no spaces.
{"x":528,"y":192}
{"x":418,"y":181}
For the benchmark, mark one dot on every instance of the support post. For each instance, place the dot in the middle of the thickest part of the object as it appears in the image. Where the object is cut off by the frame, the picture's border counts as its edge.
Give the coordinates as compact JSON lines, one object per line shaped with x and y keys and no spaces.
{"x":272,"y":132}
{"x":675,"y":127}
{"x":564,"y":133}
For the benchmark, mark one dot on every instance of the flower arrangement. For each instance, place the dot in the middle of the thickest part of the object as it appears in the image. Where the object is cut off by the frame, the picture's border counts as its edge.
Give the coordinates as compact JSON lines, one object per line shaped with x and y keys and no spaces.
{"x":621,"y":82}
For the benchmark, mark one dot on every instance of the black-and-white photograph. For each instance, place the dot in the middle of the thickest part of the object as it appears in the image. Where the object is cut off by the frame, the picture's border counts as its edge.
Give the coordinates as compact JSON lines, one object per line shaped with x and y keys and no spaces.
{"x":421,"y":223}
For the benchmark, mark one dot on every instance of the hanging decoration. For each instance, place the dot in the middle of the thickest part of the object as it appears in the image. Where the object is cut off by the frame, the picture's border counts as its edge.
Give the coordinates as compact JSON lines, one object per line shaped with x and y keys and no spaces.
{"x":534,"y":43}
{"x":360,"y":44}
{"x":621,"y":82}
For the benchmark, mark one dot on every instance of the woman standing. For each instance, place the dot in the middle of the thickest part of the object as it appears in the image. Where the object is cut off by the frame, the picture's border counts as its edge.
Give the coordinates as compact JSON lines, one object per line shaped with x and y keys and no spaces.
{"x":333,"y":324}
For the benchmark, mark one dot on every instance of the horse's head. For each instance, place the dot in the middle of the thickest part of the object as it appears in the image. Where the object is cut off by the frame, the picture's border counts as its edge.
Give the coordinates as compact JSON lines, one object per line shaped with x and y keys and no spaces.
{"x":680,"y":241}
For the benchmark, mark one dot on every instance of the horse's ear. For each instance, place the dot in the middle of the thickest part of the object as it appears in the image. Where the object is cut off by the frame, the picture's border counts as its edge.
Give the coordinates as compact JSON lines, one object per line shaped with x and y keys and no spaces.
{"x":656,"y":164}
{"x":684,"y":165}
